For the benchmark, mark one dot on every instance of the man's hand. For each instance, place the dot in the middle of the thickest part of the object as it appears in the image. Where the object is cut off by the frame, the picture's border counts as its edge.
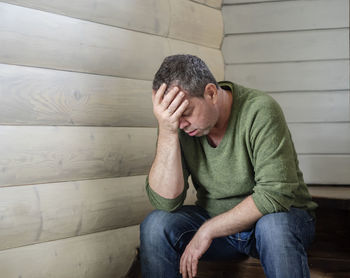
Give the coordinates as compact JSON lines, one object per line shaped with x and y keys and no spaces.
{"x":193,"y":252}
{"x":169,"y":108}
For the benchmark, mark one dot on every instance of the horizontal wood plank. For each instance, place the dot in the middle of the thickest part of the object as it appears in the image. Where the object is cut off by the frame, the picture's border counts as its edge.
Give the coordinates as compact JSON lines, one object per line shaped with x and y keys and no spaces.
{"x":106,"y":255}
{"x":53,"y":41}
{"x":227,"y":2}
{"x":321,"y":138}
{"x":325,"y":169}
{"x":196,"y":23}
{"x":154,"y":17}
{"x":211,"y":3}
{"x":286,"y":16}
{"x":287,"y":46}
{"x":300,"y":76}
{"x":139,"y":15}
{"x":35,"y":154}
{"x":44,"y":212}
{"x":33,"y":96}
{"x":314,"y":106}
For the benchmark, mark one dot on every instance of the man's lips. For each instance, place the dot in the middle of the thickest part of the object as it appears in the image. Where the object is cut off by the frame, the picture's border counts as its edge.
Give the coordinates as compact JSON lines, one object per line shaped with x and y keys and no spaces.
{"x":192,"y":133}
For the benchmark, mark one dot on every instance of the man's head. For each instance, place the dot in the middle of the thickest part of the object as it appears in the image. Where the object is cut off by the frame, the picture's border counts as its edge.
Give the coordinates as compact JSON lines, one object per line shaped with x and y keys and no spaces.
{"x":191,"y":75}
{"x":187,"y":72}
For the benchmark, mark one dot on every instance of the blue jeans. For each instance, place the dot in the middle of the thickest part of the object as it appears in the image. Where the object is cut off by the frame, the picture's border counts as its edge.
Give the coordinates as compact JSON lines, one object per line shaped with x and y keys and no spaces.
{"x":279,"y":240}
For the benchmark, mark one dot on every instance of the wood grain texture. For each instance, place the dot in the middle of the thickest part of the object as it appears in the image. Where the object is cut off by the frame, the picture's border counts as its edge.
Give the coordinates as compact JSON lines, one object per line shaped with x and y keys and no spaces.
{"x":145,"y":16}
{"x":33,"y":96}
{"x":38,"y":213}
{"x":156,"y":17}
{"x":314,"y":106}
{"x":287,"y":46}
{"x":211,"y":3}
{"x":321,"y":138}
{"x":104,"y":255}
{"x":227,"y":2}
{"x":299,"y":76}
{"x":53,"y":41}
{"x":325,"y":169}
{"x":35,"y":154}
{"x":331,"y":192}
{"x":286,"y":16}
{"x":196,"y":23}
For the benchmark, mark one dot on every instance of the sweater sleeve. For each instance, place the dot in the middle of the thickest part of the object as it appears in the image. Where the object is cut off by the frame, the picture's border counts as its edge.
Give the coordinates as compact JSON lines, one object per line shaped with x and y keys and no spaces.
{"x":274,"y":159}
{"x":166,"y":204}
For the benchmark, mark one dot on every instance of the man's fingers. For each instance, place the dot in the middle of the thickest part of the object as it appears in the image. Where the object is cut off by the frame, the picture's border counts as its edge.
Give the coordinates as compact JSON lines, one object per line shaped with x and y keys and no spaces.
{"x":194,"y":267}
{"x":176,"y":102}
{"x":169,"y":97}
{"x":183,"y":265}
{"x":181,"y":109}
{"x":158,"y":96}
{"x":189,"y":266}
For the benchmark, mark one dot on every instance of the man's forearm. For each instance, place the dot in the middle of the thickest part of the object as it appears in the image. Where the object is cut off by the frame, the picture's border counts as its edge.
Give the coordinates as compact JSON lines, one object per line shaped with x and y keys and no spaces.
{"x":238,"y":219}
{"x":166,"y":175}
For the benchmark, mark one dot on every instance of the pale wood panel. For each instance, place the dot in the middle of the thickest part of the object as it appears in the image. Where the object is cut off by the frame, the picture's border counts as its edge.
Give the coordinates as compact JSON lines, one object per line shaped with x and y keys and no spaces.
{"x":246,"y":1}
{"x":300,"y":76}
{"x":330,"y":192}
{"x":50,"y":97}
{"x":314,"y":106}
{"x":104,"y":255}
{"x":145,"y":16}
{"x":212,"y":3}
{"x":53,"y":41}
{"x":196,"y":23}
{"x":151,"y":17}
{"x":321,"y":138}
{"x":287,"y":46}
{"x":38,"y":213}
{"x":286,"y":15}
{"x":212,"y":57}
{"x":35,"y":154}
{"x":325,"y":169}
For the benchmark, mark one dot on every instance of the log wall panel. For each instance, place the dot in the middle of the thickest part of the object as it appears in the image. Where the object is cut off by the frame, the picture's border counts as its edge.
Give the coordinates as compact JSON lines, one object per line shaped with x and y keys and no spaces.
{"x":300,"y":76}
{"x":33,"y":96}
{"x":196,"y":23}
{"x":321,"y":138}
{"x":211,"y":3}
{"x":286,"y":16}
{"x":35,"y":154}
{"x":104,"y":255}
{"x":325,"y":169}
{"x":314,"y":106}
{"x":47,"y":40}
{"x":287,"y":46}
{"x":203,"y":25}
{"x":44,"y":212}
{"x":139,"y":15}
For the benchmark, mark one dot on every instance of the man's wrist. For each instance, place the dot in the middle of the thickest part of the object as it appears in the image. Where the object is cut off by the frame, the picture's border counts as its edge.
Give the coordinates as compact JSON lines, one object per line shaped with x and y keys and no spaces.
{"x":168,"y":134}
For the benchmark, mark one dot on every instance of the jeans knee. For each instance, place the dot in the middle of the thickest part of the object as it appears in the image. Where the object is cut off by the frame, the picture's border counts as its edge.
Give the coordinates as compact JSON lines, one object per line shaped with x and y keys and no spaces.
{"x":153,"y":227}
{"x":274,"y":230}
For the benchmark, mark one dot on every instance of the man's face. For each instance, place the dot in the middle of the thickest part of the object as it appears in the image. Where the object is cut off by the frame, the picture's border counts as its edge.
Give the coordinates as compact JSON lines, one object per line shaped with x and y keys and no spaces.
{"x":199,"y":117}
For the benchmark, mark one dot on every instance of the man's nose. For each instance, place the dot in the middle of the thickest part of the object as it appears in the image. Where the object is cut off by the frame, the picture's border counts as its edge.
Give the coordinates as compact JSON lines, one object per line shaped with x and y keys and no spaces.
{"x":183,"y":123}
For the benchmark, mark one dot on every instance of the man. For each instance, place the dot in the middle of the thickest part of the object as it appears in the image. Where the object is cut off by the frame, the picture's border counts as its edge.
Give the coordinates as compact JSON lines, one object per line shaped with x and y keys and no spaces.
{"x":251,"y":197}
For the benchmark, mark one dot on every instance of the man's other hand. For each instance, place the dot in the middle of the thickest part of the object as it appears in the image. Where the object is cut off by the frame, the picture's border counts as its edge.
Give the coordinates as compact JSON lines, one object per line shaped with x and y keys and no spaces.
{"x":193,"y":252}
{"x":168,"y":108}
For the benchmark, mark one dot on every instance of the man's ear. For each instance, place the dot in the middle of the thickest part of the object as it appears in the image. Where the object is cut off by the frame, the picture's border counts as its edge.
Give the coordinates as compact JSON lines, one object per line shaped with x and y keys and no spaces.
{"x":211,"y":93}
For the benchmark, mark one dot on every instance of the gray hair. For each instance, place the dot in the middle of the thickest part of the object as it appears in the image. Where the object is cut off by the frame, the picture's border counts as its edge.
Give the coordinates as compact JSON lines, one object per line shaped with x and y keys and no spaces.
{"x":188,"y":72}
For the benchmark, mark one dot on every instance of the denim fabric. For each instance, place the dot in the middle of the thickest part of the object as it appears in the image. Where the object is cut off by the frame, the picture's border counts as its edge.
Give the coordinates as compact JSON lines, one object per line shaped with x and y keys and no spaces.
{"x":279,"y":240}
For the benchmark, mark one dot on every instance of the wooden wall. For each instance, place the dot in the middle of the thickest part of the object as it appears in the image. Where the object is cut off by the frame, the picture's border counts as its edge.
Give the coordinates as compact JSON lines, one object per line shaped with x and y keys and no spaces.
{"x":77,"y":132}
{"x":298,"y":51}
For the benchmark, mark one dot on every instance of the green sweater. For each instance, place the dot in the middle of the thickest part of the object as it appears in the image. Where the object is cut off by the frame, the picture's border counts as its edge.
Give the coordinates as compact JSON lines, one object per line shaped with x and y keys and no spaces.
{"x":255,"y":157}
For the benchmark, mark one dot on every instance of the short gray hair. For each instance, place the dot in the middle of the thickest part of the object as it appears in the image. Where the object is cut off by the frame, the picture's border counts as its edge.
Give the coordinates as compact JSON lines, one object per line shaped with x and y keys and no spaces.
{"x":188,"y":72}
